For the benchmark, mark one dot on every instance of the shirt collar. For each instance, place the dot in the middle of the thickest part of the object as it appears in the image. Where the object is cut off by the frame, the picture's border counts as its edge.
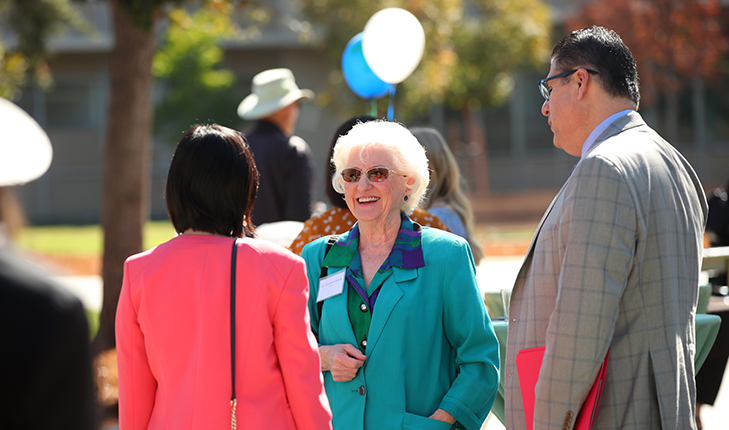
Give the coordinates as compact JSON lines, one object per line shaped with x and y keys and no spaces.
{"x":407,"y":252}
{"x":600,"y":128}
{"x":264,"y":126}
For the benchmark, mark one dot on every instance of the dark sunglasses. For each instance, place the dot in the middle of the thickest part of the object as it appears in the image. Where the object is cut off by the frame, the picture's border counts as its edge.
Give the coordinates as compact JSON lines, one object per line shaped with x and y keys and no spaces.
{"x":375,"y":174}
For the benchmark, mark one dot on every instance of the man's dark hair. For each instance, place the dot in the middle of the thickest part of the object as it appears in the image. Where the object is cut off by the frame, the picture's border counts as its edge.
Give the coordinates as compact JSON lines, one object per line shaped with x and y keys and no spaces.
{"x":603,"y":51}
{"x":334,"y":197}
{"x":212,"y":182}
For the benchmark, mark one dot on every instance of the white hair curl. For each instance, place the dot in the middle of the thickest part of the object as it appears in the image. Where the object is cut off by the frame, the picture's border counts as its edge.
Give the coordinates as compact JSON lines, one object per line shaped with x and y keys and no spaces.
{"x":408,"y":155}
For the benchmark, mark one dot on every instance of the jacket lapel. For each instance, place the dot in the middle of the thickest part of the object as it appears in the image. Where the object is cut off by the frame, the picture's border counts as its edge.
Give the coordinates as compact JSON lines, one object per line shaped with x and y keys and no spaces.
{"x":390,"y":295}
{"x":336,"y":308}
{"x":530,"y":251}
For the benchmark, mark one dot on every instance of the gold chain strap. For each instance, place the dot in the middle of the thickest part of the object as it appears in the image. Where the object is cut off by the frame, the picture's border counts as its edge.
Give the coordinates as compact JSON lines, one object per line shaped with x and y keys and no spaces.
{"x":233,"y":404}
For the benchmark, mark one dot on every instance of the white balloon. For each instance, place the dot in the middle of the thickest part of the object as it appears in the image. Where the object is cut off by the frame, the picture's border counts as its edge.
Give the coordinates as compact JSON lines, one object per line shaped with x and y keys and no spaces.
{"x":25,"y":150}
{"x":393,"y":42}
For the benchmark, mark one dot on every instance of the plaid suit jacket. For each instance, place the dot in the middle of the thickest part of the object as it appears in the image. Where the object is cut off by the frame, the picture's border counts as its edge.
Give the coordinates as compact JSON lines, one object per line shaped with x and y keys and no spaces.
{"x":614,"y":265}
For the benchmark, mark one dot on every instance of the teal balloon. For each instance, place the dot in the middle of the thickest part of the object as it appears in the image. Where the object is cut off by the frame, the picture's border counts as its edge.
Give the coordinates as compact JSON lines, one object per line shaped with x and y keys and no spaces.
{"x":357,"y":73}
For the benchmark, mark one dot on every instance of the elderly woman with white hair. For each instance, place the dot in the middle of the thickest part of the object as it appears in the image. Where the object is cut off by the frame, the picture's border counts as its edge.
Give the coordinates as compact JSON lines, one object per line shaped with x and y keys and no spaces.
{"x":404,"y":338}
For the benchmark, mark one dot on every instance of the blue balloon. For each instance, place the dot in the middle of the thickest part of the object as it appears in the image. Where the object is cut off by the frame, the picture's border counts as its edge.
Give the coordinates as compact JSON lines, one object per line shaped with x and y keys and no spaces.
{"x":358,"y":75}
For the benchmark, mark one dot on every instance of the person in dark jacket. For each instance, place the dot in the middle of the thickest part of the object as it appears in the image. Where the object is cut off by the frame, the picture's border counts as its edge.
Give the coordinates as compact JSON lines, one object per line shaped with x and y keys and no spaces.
{"x":284,"y":160}
{"x":46,"y":380}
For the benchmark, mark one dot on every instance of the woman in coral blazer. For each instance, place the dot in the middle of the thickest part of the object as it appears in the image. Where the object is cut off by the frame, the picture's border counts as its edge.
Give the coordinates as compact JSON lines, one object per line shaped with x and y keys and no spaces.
{"x":173,"y":318}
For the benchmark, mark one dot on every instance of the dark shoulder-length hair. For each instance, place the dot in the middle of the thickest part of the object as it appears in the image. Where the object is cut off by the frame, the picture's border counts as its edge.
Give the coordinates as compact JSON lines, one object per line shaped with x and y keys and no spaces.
{"x":212,"y":182}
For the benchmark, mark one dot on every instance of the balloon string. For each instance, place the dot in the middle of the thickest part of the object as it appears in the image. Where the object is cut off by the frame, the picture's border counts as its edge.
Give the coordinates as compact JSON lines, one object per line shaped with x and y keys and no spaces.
{"x":373,"y":108}
{"x":391,"y":105}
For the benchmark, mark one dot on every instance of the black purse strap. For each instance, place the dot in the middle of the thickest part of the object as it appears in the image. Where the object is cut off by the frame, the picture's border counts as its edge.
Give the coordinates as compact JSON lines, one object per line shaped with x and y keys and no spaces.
{"x":330,"y":242}
{"x":233,"y":401}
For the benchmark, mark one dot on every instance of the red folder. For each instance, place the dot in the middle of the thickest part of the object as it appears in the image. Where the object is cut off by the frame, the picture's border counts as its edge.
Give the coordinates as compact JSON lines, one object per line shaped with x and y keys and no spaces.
{"x":528,"y":364}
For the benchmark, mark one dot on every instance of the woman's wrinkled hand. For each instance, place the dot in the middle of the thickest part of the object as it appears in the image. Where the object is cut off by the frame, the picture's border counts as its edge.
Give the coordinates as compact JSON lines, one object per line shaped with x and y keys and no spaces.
{"x":444,"y":416}
{"x":342,"y":360}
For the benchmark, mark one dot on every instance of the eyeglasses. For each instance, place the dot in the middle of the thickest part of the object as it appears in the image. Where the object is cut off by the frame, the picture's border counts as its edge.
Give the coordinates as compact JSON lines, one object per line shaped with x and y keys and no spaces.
{"x":544,"y":88}
{"x":375,"y":174}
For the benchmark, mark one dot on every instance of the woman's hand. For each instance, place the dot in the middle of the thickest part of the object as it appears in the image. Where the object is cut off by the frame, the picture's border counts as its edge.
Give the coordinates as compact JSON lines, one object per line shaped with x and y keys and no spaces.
{"x":342,"y":360}
{"x":442,"y":415}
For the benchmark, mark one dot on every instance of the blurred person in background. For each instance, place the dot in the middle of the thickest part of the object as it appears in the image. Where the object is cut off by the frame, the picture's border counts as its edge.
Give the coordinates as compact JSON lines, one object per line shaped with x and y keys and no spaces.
{"x":404,"y":336}
{"x":173,"y":324}
{"x":46,"y":380}
{"x":446,"y":196}
{"x":338,"y":218}
{"x":284,"y":160}
{"x":711,"y":374}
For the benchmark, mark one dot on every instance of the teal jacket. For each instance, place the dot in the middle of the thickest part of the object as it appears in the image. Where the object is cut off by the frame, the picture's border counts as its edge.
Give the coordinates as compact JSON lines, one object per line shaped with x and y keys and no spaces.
{"x":430,"y":344}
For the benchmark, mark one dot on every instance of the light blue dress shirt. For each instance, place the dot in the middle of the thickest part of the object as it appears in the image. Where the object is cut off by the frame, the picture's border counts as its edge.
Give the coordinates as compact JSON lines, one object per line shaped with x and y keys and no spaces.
{"x":600,"y":128}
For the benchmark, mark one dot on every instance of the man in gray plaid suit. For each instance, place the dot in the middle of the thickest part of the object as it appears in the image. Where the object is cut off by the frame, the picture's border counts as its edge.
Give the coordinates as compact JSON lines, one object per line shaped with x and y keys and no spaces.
{"x":614,"y":263}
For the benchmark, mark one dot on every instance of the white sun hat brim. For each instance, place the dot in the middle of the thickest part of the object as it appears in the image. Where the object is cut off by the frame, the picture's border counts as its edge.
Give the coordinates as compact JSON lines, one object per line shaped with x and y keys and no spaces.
{"x":25,"y":150}
{"x":251,"y":109}
{"x":273,"y":90}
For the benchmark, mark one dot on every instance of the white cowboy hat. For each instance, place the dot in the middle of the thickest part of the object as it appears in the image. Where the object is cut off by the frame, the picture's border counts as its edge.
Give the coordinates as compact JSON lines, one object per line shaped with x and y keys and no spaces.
{"x":273,"y":89}
{"x":25,"y":150}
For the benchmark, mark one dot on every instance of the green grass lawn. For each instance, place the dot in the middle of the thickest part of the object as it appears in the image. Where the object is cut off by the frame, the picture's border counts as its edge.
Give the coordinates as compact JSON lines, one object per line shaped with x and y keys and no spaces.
{"x":505,"y":233}
{"x":83,"y":239}
{"x":87,"y":240}
{"x":93,"y":318}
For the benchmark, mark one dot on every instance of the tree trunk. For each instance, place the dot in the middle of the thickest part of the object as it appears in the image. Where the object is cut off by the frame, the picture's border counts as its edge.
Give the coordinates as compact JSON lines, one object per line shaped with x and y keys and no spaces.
{"x":126,"y":180}
{"x":478,"y":168}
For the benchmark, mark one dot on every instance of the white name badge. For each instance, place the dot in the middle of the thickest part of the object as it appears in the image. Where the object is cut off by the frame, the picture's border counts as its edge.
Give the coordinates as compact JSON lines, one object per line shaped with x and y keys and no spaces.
{"x":331,"y":285}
